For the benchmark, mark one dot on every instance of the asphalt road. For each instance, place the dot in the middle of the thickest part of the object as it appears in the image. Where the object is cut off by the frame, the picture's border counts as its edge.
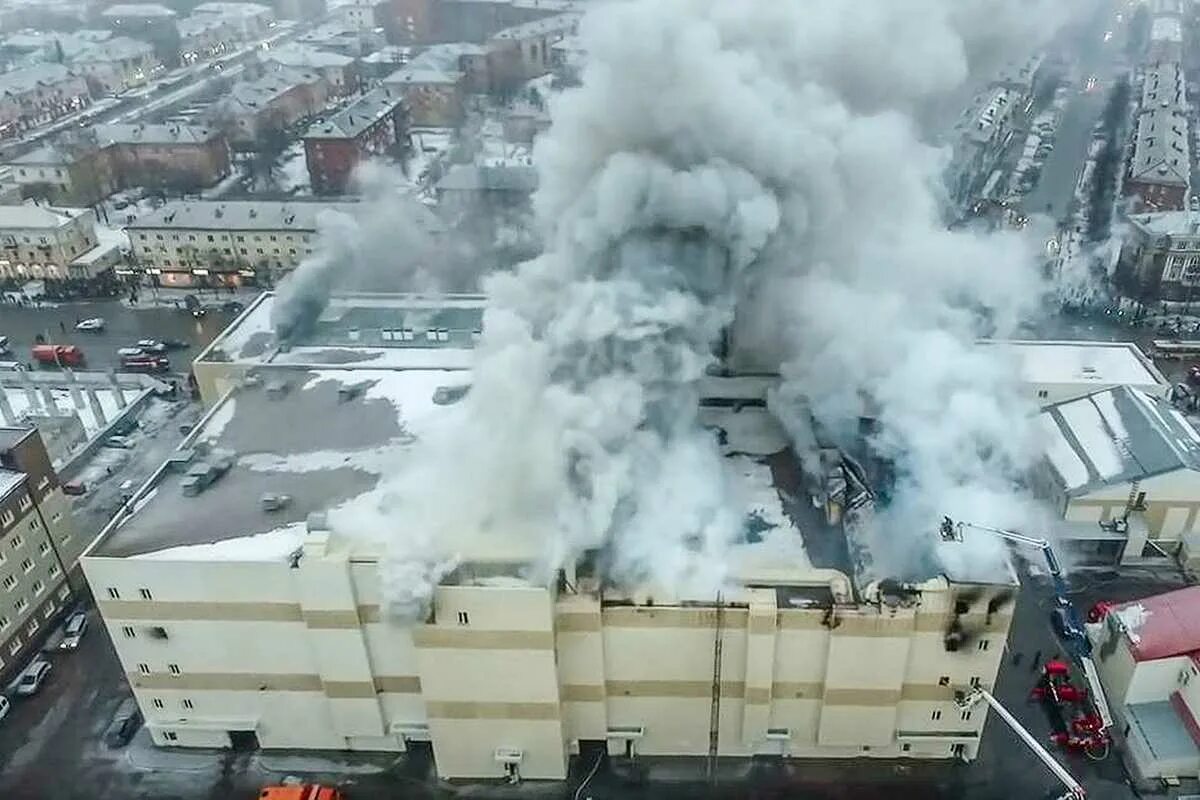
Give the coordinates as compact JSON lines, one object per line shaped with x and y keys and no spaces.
{"x":124,"y":326}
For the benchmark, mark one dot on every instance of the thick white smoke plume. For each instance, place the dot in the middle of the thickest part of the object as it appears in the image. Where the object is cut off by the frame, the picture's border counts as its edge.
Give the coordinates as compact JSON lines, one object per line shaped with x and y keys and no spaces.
{"x":759,"y":157}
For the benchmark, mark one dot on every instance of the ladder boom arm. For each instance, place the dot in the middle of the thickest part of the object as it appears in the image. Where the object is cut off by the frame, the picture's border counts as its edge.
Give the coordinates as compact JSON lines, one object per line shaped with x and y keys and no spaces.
{"x":1075,"y":790}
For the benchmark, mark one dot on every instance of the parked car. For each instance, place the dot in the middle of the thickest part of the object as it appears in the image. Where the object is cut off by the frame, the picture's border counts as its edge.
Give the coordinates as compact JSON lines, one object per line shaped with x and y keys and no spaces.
{"x":90,"y":324}
{"x":3,"y":345}
{"x":74,"y":488}
{"x":124,"y":724}
{"x":129,"y":352}
{"x":73,"y":631}
{"x":151,"y":346}
{"x":176,"y":344}
{"x":33,"y":677}
{"x":4,"y":706}
{"x":118,"y":442}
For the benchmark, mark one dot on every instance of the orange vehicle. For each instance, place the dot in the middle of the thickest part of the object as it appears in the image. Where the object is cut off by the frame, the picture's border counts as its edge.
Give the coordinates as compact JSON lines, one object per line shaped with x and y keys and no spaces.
{"x":307,"y":791}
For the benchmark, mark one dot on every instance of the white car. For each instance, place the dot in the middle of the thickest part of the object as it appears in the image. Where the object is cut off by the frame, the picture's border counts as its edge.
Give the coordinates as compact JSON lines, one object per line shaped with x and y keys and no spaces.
{"x":4,"y":706}
{"x":151,"y":346}
{"x":129,"y":352}
{"x":73,"y":631}
{"x":90,"y":324}
{"x":33,"y":677}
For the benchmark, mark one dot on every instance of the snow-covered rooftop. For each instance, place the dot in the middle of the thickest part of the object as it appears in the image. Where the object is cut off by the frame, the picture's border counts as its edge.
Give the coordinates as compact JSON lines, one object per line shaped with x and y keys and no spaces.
{"x":1098,"y":365}
{"x":1116,"y":436}
{"x":361,"y":331}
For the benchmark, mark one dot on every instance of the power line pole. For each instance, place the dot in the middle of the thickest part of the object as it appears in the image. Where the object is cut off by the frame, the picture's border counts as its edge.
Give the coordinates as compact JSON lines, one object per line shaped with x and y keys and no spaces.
{"x":714,"y":723}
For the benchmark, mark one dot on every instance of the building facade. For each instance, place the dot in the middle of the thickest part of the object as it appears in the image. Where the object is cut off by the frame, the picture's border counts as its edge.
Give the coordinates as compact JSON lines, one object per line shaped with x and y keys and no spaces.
{"x":39,"y":94}
{"x":65,"y":174}
{"x":1159,"y":165}
{"x":503,"y":675}
{"x":374,"y":125}
{"x":40,"y":242}
{"x":1160,"y":256}
{"x":147,"y":22}
{"x":269,"y":105}
{"x":168,"y":155}
{"x":226,"y":243}
{"x":38,"y":547}
{"x":117,"y":64}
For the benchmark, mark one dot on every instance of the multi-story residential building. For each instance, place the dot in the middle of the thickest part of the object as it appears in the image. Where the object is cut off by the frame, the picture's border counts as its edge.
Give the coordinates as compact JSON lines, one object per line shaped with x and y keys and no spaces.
{"x":241,"y":626}
{"x":38,"y":547}
{"x":338,"y":70}
{"x":65,"y":173}
{"x":273,"y":102}
{"x":526,"y":51}
{"x":979,"y":138}
{"x":44,"y":242}
{"x":385,"y":61}
{"x":38,"y":94}
{"x":168,"y":155}
{"x":203,"y":37}
{"x":1160,"y":256}
{"x":342,"y":38}
{"x":435,"y":83}
{"x":117,"y":64}
{"x":1159,"y":168}
{"x":414,"y":20}
{"x":300,"y":9}
{"x":236,"y":242}
{"x":364,"y":15}
{"x":147,"y":22}
{"x":373,"y":125}
{"x":1163,"y":86}
{"x":1166,"y":38}
{"x":250,"y":20}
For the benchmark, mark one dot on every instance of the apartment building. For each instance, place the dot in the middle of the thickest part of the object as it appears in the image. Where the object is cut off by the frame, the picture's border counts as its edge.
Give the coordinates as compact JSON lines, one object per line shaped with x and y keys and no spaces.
{"x":364,"y":15}
{"x":526,"y":51}
{"x":338,"y":70}
{"x":273,"y":102}
{"x":204,"y":37}
{"x":117,"y":64}
{"x":227,"y":243}
{"x":980,"y":137}
{"x":166,"y":155}
{"x":249,"y":20}
{"x":436,"y":82}
{"x":147,"y":22}
{"x":44,"y":243}
{"x":38,"y":547}
{"x":1160,"y":256}
{"x":373,"y":125}
{"x":38,"y":94}
{"x":1159,"y":167}
{"x":65,"y":173}
{"x":241,"y":618}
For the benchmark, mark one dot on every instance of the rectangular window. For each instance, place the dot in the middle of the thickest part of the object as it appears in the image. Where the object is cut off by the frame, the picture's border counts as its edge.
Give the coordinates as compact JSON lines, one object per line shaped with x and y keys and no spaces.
{"x":33,"y":524}
{"x":145,"y":593}
{"x":144,"y":669}
{"x":984,"y":644}
{"x":14,"y":646}
{"x":10,"y":582}
{"x":4,"y":622}
{"x":187,"y":704}
{"x":173,"y":668}
{"x":27,"y":564}
{"x":64,"y":592}
{"x":16,"y":542}
{"x":25,"y":502}
{"x":936,"y":715}
{"x":38,"y":588}
{"x":463,"y":618}
{"x":49,"y":612}
{"x":33,"y":626}
{"x":21,"y":605}
{"x":54,"y":570}
{"x":44,"y":482}
{"x":43,"y":547}
{"x":128,"y":631}
{"x":158,"y":703}
{"x":965,"y":716}
{"x":113,"y":594}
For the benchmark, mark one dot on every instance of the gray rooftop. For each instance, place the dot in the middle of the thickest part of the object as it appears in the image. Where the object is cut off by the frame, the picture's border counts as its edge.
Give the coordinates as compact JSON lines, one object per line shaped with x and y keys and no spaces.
{"x":255,"y":95}
{"x":141,"y":133}
{"x":559,"y":24}
{"x":229,"y":215}
{"x":297,"y":55}
{"x":148,"y":10}
{"x":30,"y":216}
{"x":23,"y":80}
{"x":1160,"y":152}
{"x":1162,"y":86}
{"x":1115,"y":437}
{"x":120,"y":48}
{"x":496,"y":178}
{"x":357,"y":117}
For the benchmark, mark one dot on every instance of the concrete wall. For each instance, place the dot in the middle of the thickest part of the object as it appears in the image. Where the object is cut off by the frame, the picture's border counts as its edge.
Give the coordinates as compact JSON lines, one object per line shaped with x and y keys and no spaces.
{"x":307,"y":657}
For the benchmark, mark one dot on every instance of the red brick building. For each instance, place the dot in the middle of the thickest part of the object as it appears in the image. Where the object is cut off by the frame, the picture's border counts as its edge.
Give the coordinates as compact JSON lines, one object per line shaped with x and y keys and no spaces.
{"x":373,"y":125}
{"x":412,"y":21}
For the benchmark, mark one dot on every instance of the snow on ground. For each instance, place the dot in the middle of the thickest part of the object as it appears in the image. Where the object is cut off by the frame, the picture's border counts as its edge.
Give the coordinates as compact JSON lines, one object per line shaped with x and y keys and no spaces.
{"x":104,"y":462}
{"x":274,"y":545}
{"x":228,"y":182}
{"x":64,"y":405}
{"x":294,"y":170}
{"x":429,"y":145}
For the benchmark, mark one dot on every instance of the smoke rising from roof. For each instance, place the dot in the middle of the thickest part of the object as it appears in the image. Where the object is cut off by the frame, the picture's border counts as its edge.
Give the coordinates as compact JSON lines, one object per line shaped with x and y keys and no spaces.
{"x":757,"y":157}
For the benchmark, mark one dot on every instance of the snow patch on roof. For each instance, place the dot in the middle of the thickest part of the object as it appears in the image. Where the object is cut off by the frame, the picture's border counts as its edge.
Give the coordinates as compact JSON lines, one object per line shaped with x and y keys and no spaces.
{"x":1132,"y":618}
{"x":1094,"y":437}
{"x":275,"y":545}
{"x":1062,"y":456}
